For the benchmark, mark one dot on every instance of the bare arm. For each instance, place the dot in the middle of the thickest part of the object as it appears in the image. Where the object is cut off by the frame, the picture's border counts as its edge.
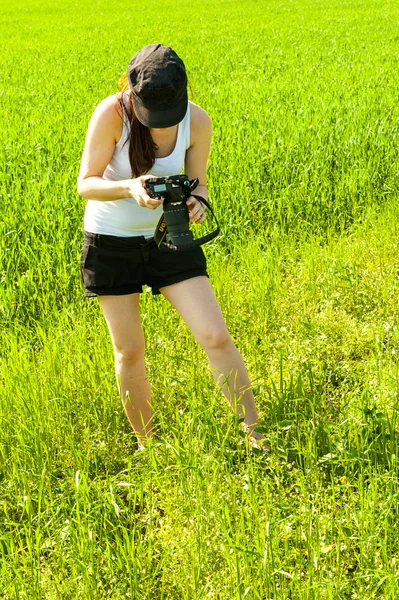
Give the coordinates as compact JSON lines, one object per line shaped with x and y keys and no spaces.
{"x":104,"y":130}
{"x":197,"y":158}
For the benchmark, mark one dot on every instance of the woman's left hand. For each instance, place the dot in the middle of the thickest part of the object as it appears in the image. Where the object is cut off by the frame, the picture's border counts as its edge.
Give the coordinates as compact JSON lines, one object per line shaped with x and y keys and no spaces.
{"x":196,"y":210}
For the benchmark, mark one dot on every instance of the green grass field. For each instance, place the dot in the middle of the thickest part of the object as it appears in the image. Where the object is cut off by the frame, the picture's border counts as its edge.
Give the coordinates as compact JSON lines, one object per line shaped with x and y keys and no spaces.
{"x":303,"y":175}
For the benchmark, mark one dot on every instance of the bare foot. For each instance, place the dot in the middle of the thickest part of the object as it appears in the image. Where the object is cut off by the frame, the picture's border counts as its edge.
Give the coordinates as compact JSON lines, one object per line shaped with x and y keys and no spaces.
{"x":261,"y":445}
{"x":143,"y":441}
{"x":257,"y":441}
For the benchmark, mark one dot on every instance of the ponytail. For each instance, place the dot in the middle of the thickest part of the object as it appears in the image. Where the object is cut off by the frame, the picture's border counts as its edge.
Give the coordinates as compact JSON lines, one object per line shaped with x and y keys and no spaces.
{"x":142,"y":147}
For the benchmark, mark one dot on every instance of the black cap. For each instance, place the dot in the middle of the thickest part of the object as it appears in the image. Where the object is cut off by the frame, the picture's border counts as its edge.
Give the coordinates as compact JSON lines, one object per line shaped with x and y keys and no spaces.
{"x":158,"y":82}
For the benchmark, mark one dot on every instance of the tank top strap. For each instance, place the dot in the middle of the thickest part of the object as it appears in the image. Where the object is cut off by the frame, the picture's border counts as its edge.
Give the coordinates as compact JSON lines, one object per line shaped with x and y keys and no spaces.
{"x":186,"y":128}
{"x":125,"y":133}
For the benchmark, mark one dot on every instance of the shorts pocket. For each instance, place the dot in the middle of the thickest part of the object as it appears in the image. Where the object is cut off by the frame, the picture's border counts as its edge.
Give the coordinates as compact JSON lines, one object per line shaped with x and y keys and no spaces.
{"x":103,"y":268}
{"x":98,"y":268}
{"x":83,"y":255}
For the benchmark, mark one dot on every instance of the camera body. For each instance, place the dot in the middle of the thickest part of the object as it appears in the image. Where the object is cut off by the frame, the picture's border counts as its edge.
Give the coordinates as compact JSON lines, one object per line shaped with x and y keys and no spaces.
{"x":174,"y":190}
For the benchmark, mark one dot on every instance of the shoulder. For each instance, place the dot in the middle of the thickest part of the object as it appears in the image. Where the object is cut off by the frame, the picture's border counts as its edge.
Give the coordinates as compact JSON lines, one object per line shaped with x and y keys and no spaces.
{"x":199,"y":118}
{"x":200,"y":123}
{"x":109,"y":108}
{"x":108,"y":115}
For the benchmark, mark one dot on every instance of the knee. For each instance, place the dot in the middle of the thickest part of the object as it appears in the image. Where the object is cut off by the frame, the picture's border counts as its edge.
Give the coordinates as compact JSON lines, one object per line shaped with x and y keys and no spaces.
{"x":217,"y":339}
{"x":129,"y":353}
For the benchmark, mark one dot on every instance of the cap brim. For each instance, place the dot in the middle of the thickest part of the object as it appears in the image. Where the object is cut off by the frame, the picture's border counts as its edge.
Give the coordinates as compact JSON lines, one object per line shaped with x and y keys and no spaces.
{"x":160,"y":118}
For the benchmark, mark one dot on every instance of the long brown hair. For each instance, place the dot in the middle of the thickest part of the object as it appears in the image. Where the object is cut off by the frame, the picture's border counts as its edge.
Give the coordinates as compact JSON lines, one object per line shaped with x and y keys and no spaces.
{"x":142,"y":147}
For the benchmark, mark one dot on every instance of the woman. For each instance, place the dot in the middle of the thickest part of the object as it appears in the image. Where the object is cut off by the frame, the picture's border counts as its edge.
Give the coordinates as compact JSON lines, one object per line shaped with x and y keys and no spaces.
{"x":150,"y":129}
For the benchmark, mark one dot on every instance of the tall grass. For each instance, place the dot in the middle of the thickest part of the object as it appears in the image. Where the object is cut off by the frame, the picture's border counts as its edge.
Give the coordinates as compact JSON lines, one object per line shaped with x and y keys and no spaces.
{"x":303,"y":177}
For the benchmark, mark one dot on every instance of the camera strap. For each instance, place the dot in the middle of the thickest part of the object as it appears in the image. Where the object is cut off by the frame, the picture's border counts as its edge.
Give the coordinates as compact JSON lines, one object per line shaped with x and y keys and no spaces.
{"x":161,"y":231}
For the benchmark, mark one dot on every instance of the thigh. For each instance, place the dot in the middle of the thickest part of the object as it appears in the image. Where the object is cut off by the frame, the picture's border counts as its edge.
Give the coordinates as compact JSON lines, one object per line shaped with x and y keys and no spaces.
{"x":122,"y":314}
{"x":195,"y":301}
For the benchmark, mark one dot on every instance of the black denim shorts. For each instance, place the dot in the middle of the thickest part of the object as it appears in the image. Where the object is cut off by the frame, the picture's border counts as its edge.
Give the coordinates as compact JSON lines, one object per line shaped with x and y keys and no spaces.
{"x":112,"y":265}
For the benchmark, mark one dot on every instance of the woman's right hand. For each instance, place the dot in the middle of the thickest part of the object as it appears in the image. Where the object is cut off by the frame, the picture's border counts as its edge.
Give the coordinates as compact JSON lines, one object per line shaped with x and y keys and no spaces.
{"x":139,"y":193}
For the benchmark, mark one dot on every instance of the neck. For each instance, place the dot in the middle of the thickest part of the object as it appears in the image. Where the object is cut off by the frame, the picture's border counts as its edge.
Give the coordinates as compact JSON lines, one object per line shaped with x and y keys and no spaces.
{"x":162,"y":129}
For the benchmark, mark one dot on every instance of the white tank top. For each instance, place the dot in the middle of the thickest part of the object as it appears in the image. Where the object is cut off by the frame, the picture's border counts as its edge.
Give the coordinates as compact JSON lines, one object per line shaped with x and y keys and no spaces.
{"x":124,"y":217}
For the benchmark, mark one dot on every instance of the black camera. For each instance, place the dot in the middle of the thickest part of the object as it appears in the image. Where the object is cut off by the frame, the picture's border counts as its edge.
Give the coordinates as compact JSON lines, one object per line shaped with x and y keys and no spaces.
{"x":172,"y":231}
{"x":174,"y":190}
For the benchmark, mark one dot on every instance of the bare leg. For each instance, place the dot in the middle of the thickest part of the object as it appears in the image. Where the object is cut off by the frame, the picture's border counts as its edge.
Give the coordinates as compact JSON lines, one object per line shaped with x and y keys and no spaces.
{"x":123,"y":320}
{"x":195,"y":301}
